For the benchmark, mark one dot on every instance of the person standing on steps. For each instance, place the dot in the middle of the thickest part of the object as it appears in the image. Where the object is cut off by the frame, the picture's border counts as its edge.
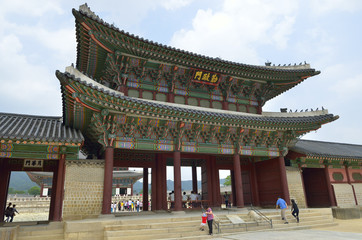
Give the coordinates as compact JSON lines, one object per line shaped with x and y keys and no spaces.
{"x":210,"y":219}
{"x":295,"y":210}
{"x":283,"y":206}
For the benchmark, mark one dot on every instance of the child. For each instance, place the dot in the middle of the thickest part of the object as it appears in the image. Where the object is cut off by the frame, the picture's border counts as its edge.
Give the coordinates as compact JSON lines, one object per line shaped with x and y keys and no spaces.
{"x":295,"y":210}
{"x":203,"y":221}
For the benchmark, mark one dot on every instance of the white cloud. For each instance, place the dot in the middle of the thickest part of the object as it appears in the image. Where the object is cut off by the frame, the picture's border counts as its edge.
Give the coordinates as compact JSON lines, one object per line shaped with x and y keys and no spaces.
{"x":26,"y":86}
{"x":236,"y":30}
{"x":175,"y":4}
{"x":30,"y":8}
{"x":320,"y":7}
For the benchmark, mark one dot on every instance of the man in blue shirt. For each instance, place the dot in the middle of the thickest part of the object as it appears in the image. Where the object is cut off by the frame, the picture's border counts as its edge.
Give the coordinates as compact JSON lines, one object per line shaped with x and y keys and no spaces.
{"x":283,"y":206}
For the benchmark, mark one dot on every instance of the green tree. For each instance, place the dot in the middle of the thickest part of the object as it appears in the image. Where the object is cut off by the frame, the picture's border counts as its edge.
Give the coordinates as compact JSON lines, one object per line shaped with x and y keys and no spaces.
{"x":34,"y":191}
{"x":227,"y":181}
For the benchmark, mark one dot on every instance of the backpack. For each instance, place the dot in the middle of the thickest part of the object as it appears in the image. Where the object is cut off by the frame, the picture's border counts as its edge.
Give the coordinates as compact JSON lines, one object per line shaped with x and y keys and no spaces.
{"x":8,"y":211}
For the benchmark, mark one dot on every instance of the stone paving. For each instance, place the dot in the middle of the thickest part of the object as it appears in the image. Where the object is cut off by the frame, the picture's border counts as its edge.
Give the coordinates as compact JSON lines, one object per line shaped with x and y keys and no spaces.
{"x":346,"y":229}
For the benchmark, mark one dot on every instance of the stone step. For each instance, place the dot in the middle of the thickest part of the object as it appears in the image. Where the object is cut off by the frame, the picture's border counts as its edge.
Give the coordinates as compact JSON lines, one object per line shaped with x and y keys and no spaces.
{"x":151,"y":231}
{"x":278,"y":220}
{"x":303,"y":223}
{"x":42,"y":237}
{"x":41,"y":232}
{"x":42,"y":227}
{"x":158,"y":225}
{"x":289,"y":227}
{"x":193,"y":234}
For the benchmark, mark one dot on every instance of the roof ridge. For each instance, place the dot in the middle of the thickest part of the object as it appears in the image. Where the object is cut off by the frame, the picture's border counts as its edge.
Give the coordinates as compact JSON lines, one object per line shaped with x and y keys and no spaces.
{"x":337,"y":143}
{"x":31,"y":115}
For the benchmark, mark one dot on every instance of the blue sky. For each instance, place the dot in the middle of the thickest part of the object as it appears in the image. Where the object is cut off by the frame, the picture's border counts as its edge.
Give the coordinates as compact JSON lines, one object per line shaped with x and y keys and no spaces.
{"x":38,"y":37}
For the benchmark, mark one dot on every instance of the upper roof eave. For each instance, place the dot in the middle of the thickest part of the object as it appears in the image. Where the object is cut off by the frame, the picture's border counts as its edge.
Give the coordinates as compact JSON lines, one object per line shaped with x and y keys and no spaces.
{"x":300,"y":70}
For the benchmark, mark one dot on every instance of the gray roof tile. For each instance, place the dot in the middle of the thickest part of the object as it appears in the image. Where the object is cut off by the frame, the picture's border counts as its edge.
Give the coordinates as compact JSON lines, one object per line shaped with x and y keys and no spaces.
{"x":37,"y":128}
{"x":328,"y":149}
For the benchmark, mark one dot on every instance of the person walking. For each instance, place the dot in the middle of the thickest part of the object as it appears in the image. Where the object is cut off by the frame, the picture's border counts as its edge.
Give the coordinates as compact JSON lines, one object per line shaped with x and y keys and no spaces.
{"x":295,"y":210}
{"x":13,"y":211}
{"x":210,"y":219}
{"x":283,"y":206}
{"x":8,"y":212}
{"x":226,"y":197}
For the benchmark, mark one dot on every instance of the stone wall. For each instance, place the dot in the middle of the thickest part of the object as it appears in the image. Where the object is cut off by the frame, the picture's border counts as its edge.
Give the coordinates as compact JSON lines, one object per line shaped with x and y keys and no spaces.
{"x":344,"y":195}
{"x":358,"y":191}
{"x":295,"y":186}
{"x":83,"y":189}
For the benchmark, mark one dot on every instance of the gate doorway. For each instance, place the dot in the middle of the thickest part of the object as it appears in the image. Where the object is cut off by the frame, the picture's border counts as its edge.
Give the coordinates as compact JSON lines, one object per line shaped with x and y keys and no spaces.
{"x":316,"y":187}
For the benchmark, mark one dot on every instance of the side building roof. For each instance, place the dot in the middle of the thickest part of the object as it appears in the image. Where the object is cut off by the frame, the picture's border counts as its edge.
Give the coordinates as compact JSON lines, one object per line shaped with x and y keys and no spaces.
{"x":21,"y":127}
{"x":321,"y":149}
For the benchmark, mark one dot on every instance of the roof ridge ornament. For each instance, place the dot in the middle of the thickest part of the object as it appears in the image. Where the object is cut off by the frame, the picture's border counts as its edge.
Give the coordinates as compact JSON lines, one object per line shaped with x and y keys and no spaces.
{"x":85,"y":9}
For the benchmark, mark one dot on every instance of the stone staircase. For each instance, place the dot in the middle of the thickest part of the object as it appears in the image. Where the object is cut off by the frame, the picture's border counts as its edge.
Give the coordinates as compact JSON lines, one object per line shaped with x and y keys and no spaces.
{"x":50,"y":231}
{"x":169,"y":226}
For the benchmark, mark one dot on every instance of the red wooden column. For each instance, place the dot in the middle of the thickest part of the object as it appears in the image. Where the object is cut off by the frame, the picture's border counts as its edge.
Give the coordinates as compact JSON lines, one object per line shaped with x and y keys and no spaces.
{"x":159,"y":182}
{"x":329,"y":187}
{"x":163,"y":184}
{"x":215,"y":183}
{"x":154,"y":187}
{"x":177,"y":180}
{"x":254,"y":185}
{"x":232,"y":178}
{"x":108,"y":178}
{"x":238,"y":182}
{"x":194,"y":178}
{"x":59,"y":190}
{"x":210,"y":183}
{"x":283,"y":179}
{"x":145,"y":189}
{"x":349,"y":182}
{"x":4,"y":184}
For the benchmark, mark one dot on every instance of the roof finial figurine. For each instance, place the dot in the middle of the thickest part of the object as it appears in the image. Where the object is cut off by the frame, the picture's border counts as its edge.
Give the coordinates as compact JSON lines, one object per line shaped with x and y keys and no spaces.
{"x":311,"y":109}
{"x":317,"y":109}
{"x":306,"y":110}
{"x":296,"y":110}
{"x":322,"y":108}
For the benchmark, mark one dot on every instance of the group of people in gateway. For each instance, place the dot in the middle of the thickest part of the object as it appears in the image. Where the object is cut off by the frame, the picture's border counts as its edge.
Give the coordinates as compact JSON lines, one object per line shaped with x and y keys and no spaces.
{"x":125,"y":205}
{"x":188,"y":201}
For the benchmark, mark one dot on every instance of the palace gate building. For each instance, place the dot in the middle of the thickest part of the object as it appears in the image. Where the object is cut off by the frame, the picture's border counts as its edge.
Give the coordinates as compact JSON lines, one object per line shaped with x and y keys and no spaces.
{"x":130,"y":102}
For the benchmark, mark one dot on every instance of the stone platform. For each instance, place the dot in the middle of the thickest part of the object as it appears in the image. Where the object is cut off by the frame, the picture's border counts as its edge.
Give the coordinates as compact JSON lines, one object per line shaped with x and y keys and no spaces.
{"x":150,"y":225}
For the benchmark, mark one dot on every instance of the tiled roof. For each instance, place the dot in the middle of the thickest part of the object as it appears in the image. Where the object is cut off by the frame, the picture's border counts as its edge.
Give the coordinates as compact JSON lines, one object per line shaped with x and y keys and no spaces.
{"x":37,"y":128}
{"x":305,"y":68}
{"x":205,"y":112}
{"x":328,"y":149}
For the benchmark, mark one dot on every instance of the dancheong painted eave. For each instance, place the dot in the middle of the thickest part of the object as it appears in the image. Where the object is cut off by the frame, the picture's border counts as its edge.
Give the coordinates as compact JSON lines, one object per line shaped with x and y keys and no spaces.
{"x":95,"y":97}
{"x":96,"y":39}
{"x":38,"y":129}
